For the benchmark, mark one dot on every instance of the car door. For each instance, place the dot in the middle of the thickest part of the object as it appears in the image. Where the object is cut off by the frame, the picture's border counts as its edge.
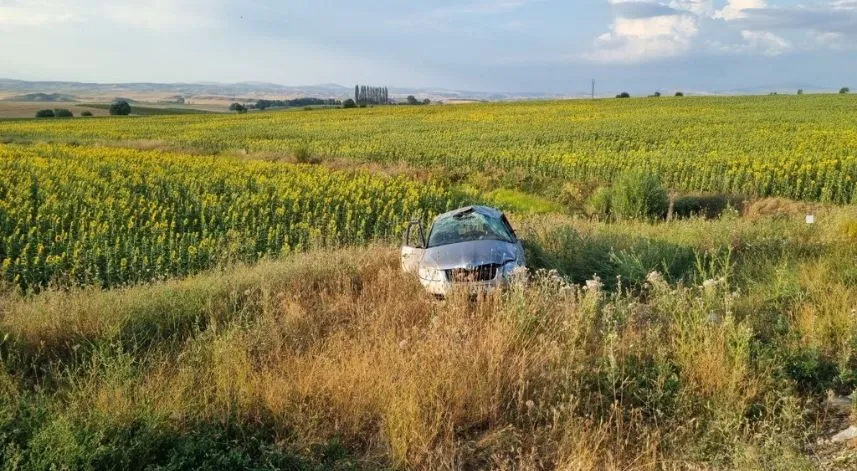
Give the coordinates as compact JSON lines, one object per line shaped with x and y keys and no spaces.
{"x":413,"y":247}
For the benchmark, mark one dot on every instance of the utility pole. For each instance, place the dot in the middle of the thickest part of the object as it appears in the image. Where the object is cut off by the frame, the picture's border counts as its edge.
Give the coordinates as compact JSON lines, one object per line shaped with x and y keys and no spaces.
{"x":593,"y":89}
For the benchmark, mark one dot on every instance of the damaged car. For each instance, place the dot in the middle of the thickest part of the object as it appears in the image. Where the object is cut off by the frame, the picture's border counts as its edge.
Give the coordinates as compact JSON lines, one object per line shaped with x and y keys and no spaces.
{"x":472,"y":248}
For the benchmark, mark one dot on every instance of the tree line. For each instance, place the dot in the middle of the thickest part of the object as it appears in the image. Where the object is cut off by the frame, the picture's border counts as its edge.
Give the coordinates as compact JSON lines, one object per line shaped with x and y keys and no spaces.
{"x":366,"y":95}
{"x":265,"y":104}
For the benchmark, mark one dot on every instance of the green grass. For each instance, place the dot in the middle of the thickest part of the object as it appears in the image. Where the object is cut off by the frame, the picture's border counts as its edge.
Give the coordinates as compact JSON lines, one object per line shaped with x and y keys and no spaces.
{"x":518,"y":201}
{"x":151,"y":110}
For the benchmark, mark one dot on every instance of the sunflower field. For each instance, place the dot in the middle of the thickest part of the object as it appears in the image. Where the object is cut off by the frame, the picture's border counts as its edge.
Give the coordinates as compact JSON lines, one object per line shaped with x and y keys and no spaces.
{"x":106,"y":216}
{"x":799,"y":147}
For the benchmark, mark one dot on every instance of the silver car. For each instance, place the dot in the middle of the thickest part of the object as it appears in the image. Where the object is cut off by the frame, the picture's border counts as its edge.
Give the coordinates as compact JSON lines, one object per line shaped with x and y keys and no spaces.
{"x":474,"y":248}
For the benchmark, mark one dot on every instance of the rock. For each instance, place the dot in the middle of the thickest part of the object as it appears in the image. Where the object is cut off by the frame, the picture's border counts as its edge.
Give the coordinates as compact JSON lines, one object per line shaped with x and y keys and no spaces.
{"x":846,"y":435}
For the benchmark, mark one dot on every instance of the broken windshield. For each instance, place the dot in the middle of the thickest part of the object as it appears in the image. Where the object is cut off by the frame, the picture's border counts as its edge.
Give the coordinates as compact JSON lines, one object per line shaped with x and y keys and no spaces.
{"x":466,"y":227}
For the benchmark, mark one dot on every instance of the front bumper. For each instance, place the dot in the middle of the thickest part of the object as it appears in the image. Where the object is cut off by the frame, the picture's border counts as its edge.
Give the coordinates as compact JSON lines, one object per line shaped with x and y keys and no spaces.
{"x":445,"y":288}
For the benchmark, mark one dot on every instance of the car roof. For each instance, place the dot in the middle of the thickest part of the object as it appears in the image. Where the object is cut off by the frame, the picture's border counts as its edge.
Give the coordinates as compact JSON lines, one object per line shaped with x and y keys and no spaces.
{"x":483,"y":210}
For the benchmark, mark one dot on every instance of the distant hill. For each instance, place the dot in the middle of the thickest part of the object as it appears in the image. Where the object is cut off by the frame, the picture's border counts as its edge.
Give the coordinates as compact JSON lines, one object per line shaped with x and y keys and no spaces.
{"x":47,"y":97}
{"x":251,"y":91}
{"x":248,"y":91}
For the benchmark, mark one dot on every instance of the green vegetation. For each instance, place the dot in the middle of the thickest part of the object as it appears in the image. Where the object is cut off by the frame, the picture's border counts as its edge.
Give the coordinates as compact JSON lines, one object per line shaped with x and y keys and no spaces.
{"x":93,"y":215}
{"x":800,"y":148}
{"x":219,"y":292}
{"x":119,"y":108}
{"x":299,"y":362}
{"x":63,"y":113}
{"x":638,"y":194}
{"x":238,"y":107}
{"x":45,"y":114}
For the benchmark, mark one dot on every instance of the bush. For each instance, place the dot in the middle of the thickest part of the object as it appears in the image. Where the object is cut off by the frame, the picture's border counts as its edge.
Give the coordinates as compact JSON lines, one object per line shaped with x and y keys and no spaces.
{"x":349,"y":103}
{"x":707,"y":205}
{"x":800,"y":91}
{"x":304,"y":155}
{"x":638,"y":194}
{"x":623,"y":95}
{"x":238,"y":107}
{"x":45,"y":114}
{"x":600,"y":203}
{"x":86,"y":113}
{"x":679,"y":94}
{"x":120,"y":108}
{"x":844,"y":90}
{"x":63,"y":113}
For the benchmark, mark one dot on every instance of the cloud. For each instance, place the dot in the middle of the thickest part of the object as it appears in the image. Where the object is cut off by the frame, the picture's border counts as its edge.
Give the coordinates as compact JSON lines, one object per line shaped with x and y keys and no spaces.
{"x":644,"y":31}
{"x":765,"y":42}
{"x":737,"y":9}
{"x":640,"y":10}
{"x":835,"y":17}
{"x":639,"y":39}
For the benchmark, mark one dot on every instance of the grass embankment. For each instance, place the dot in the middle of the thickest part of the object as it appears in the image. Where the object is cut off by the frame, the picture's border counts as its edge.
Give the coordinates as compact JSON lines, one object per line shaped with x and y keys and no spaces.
{"x":335,"y":359}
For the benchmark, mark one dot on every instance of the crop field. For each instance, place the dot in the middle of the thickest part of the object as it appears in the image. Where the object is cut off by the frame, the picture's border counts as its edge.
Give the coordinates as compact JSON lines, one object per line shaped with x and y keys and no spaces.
{"x":223,"y":291}
{"x":799,"y":147}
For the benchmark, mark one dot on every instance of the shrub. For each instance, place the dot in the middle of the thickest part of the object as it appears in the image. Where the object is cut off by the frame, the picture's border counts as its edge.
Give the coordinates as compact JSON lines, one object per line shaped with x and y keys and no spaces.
{"x":639,"y":194}
{"x":844,"y":90}
{"x":679,"y":94}
{"x":304,"y":155}
{"x":63,"y":113}
{"x":707,"y":205}
{"x":349,"y":103}
{"x":623,"y":95}
{"x":45,"y":114}
{"x":120,"y":108}
{"x":600,"y":203}
{"x":86,"y":113}
{"x":800,"y":91}
{"x":238,"y":107}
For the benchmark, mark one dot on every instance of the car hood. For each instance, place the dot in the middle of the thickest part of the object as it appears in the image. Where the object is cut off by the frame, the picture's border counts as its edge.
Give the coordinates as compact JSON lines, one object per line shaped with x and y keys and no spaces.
{"x":473,"y":254}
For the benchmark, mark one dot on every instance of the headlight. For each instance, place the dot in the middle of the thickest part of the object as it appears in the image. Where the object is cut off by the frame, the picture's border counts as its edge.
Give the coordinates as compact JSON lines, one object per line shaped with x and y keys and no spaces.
{"x":510,"y":267}
{"x":514,"y":270}
{"x":431,"y":274}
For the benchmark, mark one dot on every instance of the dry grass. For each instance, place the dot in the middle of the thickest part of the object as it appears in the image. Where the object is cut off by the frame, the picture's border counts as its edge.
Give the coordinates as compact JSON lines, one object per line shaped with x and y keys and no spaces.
{"x":341,"y":345}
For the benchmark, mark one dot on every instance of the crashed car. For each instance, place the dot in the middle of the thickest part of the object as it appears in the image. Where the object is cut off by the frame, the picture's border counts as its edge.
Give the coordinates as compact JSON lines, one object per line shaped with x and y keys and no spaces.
{"x":472,"y":248}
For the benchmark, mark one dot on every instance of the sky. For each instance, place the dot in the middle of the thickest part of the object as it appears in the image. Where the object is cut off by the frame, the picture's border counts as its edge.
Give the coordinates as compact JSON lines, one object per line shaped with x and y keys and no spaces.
{"x":538,"y":46}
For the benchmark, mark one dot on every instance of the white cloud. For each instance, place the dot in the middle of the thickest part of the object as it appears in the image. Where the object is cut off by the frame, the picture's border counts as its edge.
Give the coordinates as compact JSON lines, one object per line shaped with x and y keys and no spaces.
{"x":702,"y":8}
{"x":765,"y":42}
{"x":640,"y":39}
{"x":735,"y":9}
{"x":632,"y":40}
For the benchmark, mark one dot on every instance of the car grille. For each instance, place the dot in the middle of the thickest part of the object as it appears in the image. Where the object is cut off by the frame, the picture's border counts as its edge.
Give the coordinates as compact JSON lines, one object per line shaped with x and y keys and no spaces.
{"x":480,"y":273}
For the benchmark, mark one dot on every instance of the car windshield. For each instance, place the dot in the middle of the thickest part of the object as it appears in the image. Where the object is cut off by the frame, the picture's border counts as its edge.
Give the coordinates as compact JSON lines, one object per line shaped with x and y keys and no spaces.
{"x":466,"y":227}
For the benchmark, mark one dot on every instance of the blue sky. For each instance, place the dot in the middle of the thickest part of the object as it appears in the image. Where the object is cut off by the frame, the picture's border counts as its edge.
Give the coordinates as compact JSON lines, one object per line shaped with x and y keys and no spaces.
{"x":552,"y":46}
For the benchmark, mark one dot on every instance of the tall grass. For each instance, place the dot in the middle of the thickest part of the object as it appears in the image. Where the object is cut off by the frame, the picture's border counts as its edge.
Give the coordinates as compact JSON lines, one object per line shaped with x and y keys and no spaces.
{"x":336,"y":359}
